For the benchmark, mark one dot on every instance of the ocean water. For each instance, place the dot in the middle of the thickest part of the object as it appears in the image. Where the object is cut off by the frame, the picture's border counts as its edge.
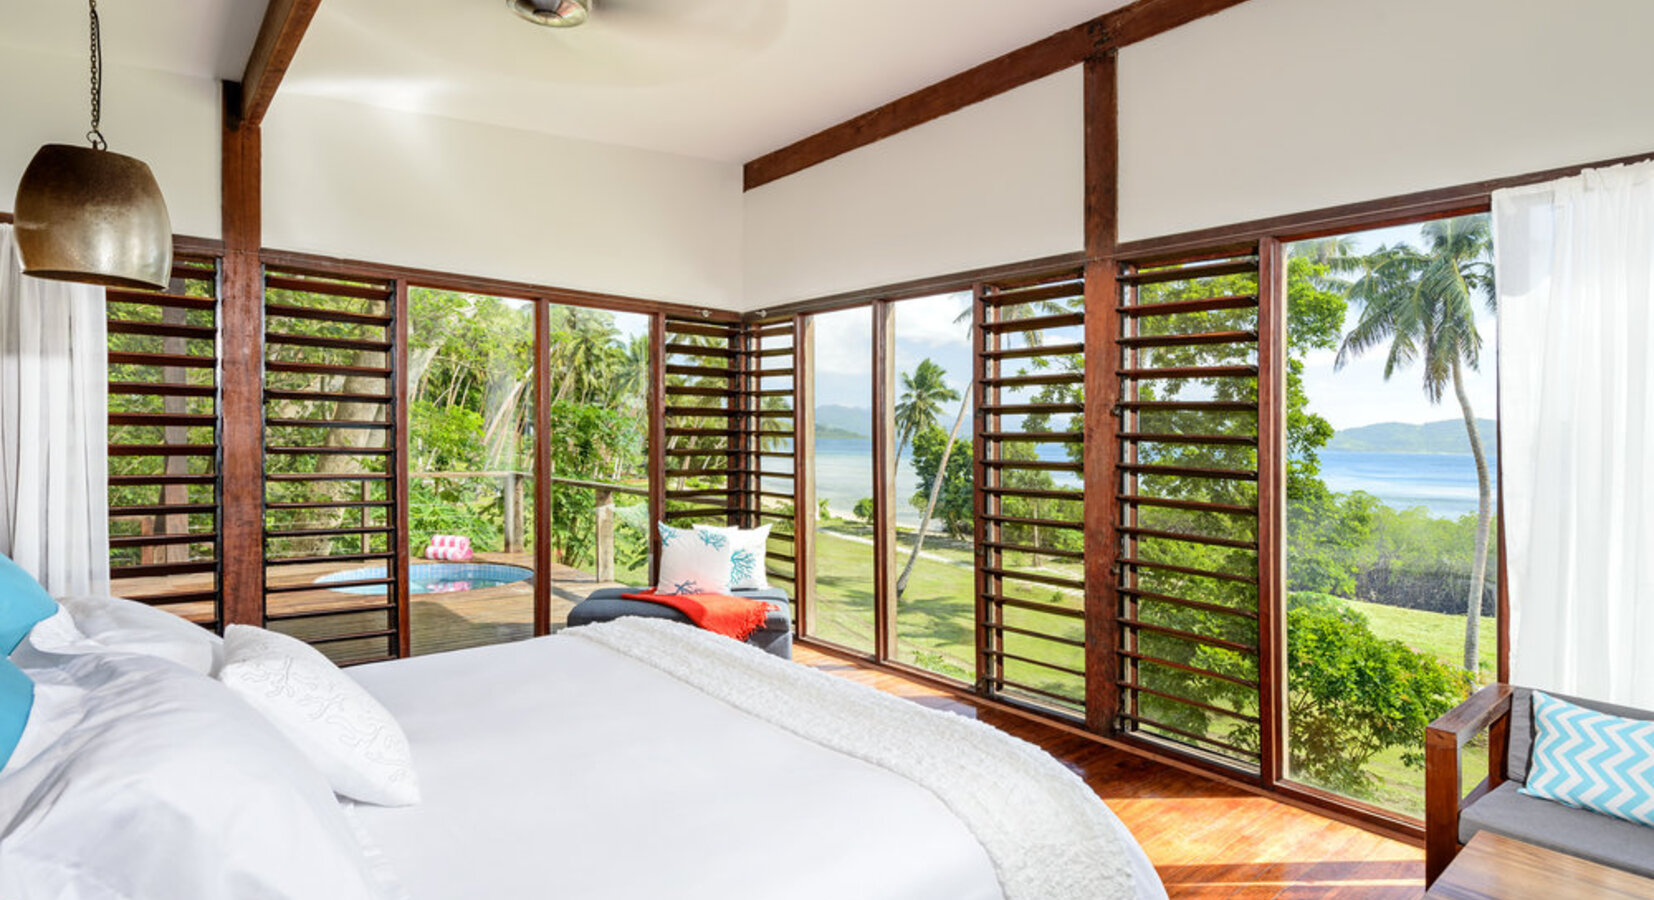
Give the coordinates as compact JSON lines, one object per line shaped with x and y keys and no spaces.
{"x":1443,"y":483}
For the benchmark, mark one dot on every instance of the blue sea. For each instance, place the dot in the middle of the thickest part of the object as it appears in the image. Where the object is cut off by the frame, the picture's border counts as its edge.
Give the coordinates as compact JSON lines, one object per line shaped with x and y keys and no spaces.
{"x":1443,"y":483}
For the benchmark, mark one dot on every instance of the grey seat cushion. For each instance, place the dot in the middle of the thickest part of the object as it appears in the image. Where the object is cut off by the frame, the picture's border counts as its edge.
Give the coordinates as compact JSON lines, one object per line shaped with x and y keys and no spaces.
{"x":1576,"y":832}
{"x":605,"y":604}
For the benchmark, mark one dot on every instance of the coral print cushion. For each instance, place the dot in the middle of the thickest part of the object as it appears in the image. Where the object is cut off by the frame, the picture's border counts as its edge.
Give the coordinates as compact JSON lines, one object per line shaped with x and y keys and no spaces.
{"x":748,"y":547}
{"x":694,"y":562}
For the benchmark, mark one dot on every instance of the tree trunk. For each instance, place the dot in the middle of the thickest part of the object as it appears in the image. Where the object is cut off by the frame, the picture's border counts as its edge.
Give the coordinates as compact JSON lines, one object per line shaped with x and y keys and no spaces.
{"x":935,"y":491}
{"x":1484,"y":516}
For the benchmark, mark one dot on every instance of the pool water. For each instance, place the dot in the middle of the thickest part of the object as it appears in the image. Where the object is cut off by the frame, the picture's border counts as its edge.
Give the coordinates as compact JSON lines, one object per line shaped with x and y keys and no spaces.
{"x":433,"y":578}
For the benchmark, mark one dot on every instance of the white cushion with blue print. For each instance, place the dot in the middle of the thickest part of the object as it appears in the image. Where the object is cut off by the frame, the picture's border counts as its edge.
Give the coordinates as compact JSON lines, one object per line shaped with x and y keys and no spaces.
{"x":748,"y":548}
{"x":694,"y":561}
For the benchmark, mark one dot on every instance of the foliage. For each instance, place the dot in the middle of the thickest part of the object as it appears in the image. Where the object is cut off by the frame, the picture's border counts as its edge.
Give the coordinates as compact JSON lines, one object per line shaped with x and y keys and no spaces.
{"x":955,"y":503}
{"x":864,"y":509}
{"x":924,"y":390}
{"x":1354,"y":694}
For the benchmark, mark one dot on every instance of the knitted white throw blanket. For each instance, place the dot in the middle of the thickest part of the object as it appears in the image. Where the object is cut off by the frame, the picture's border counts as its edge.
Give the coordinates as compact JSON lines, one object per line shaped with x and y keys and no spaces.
{"x":1049,"y":837}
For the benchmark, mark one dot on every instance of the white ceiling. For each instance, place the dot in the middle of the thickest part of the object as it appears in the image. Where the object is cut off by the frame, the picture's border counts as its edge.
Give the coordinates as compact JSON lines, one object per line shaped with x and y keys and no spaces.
{"x":725,"y":80}
{"x":200,"y":38}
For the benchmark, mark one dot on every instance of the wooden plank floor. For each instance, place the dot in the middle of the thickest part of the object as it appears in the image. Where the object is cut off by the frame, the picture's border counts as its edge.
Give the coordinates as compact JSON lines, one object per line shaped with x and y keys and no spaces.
{"x":1207,"y":839}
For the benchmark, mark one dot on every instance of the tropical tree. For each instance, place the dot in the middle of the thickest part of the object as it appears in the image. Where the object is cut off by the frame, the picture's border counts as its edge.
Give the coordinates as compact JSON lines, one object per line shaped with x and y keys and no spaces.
{"x":1422,"y":303}
{"x":924,"y":390}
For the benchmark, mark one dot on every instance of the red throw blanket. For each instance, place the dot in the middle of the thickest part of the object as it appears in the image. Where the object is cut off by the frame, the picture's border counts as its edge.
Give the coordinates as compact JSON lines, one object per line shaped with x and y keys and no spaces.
{"x":736,"y":617}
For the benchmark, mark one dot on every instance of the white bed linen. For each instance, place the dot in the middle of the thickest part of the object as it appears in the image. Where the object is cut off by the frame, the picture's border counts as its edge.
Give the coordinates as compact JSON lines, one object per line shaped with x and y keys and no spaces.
{"x":555,"y":768}
{"x":561,"y":768}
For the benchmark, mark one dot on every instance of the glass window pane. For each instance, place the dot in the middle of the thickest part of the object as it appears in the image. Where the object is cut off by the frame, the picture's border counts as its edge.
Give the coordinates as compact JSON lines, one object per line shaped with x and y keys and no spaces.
{"x":935,"y":558}
{"x":1391,"y":560}
{"x":843,"y":612}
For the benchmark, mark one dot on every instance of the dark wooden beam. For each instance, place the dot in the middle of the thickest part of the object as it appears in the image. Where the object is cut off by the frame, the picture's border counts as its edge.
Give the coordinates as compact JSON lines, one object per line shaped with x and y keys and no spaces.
{"x":398,"y":440}
{"x":241,"y":379}
{"x":278,"y":40}
{"x":1102,"y":393}
{"x":1069,"y":47}
{"x":1272,"y":412}
{"x":884,"y":481}
{"x":804,"y":473}
{"x":543,"y":468}
{"x":657,"y":439}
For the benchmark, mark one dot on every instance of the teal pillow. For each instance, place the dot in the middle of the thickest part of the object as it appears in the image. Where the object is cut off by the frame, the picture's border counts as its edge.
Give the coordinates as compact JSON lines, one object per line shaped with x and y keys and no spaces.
{"x":23,"y":602}
{"x":16,"y":699}
{"x":1592,"y":760}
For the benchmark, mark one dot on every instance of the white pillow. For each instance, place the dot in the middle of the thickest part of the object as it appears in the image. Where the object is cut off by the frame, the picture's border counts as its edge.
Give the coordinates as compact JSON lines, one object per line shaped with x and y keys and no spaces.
{"x":749,"y":548}
{"x":96,"y":624}
{"x":346,"y":733}
{"x":168,"y":786}
{"x":693,"y":561}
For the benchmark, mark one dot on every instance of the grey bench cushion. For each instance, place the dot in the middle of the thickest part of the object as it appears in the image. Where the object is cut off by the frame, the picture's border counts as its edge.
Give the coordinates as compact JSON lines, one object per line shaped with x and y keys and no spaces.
{"x":1576,"y":832}
{"x":605,"y":604}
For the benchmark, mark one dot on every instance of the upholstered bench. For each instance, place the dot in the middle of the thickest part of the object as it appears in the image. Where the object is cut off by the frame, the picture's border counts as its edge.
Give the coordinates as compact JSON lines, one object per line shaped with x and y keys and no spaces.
{"x":775,"y":636}
{"x":1506,"y":712}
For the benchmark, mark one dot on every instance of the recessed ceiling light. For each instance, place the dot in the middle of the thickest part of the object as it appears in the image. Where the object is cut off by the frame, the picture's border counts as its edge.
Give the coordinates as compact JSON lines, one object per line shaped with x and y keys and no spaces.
{"x":552,"y":13}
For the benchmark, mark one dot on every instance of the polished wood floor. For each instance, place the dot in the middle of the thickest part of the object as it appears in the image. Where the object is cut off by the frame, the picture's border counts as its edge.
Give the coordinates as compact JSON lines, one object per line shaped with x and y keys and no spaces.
{"x":1207,"y":839}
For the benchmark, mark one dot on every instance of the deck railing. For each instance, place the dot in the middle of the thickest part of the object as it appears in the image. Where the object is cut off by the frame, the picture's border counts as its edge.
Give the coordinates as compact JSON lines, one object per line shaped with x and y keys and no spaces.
{"x":512,"y":491}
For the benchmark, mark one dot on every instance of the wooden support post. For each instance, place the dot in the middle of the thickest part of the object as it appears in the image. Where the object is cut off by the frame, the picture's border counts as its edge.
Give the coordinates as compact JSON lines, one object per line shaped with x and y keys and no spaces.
{"x":884,"y":482}
{"x":1272,"y":510}
{"x":241,"y":373}
{"x":1102,"y":394}
{"x":604,"y":507}
{"x":398,"y":439}
{"x":804,"y":473}
{"x":511,"y":497}
{"x":542,"y":468}
{"x":657,"y":438}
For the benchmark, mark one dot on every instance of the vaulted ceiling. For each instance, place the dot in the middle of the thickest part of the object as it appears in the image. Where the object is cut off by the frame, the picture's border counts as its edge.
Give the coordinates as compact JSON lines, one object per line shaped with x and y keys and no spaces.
{"x":717,"y":79}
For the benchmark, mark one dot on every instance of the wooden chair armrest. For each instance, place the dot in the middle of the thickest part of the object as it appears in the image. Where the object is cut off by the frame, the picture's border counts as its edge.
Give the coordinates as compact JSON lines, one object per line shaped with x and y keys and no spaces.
{"x":1443,"y":785}
{"x":1473,"y":716}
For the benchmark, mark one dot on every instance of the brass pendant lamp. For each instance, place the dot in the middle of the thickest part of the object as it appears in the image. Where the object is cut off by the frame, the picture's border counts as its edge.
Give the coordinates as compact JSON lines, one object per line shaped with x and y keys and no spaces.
{"x":86,"y":214}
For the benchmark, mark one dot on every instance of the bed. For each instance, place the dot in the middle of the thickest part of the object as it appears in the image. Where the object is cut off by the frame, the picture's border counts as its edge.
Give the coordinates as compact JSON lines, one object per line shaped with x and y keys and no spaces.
{"x":647,"y":759}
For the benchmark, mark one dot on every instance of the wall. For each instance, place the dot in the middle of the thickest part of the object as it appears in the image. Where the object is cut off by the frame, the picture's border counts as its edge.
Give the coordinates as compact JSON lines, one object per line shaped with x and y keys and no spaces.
{"x":997,"y":182}
{"x":1280,"y":106}
{"x":395,"y":187}
{"x":169,"y":121}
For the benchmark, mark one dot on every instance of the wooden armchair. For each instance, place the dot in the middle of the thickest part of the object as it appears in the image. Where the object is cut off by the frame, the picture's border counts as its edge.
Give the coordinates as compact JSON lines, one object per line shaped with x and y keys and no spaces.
{"x":1487,"y":710}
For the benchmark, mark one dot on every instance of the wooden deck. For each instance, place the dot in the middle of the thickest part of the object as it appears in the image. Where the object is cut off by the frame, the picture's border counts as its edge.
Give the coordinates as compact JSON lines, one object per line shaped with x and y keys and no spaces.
{"x":1207,"y":839}
{"x":440,"y":621}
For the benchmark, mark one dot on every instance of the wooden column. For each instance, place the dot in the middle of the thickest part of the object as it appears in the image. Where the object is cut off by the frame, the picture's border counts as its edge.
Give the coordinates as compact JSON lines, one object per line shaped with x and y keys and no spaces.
{"x":1102,"y":393}
{"x":804,"y":472}
{"x":241,"y":373}
{"x":399,"y":467}
{"x":884,"y":482}
{"x":542,"y":467}
{"x":1271,"y":510}
{"x":657,"y":438}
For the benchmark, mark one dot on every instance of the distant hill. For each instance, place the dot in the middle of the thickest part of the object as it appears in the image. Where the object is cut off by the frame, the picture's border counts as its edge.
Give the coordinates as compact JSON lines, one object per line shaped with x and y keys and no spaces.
{"x":1446,"y":436}
{"x":831,"y":432}
{"x":838,"y":421}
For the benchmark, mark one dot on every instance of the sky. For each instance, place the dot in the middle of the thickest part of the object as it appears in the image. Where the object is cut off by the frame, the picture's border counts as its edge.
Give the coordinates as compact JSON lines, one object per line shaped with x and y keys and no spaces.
{"x":1358,"y":394}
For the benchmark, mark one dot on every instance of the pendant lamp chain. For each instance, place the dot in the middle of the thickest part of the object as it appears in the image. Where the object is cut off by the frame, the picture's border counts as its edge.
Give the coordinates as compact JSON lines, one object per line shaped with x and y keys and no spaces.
{"x":96,"y":136}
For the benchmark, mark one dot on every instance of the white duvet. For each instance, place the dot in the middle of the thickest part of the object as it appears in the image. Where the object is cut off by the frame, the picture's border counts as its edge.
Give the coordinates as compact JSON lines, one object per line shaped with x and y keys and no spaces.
{"x":564,"y":768}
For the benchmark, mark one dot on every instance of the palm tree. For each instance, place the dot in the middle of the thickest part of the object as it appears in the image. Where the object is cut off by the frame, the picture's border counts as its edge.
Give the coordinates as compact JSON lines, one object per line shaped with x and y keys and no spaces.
{"x":1423,"y":303}
{"x":924,"y":390}
{"x":1017,"y":311}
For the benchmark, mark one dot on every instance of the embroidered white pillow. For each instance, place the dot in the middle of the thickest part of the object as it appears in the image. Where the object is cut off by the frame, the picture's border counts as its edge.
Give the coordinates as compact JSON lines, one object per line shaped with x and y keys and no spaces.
{"x":346,"y":733}
{"x":748,"y":549}
{"x":693,"y":561}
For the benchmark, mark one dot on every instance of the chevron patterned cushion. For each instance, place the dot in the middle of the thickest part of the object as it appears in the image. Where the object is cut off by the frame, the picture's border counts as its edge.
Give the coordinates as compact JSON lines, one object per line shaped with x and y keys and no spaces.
{"x":1592,"y":760}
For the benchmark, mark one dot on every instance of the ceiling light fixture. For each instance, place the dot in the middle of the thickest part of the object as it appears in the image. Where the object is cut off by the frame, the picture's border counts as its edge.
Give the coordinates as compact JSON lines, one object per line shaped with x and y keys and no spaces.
{"x":553,"y":13}
{"x":86,"y":214}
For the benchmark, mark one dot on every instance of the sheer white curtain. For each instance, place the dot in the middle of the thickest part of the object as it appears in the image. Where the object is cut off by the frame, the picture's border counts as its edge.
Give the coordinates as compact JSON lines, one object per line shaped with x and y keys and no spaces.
{"x":1575,"y":269}
{"x":54,"y":435}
